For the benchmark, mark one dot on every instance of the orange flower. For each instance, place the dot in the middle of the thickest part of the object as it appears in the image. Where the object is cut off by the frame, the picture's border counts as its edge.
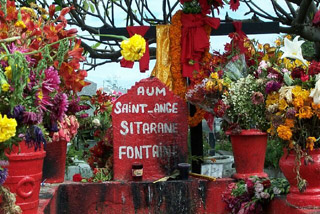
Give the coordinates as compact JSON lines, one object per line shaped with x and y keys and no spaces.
{"x":310,"y":142}
{"x":298,"y":102}
{"x":305,"y":112}
{"x":284,"y":132}
{"x":289,"y":123}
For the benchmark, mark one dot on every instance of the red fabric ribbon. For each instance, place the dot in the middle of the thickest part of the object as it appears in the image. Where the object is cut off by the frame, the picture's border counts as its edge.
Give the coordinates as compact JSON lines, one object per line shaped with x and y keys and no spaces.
{"x":144,"y":61}
{"x":194,"y":40}
{"x":238,"y":28}
{"x":210,"y":119}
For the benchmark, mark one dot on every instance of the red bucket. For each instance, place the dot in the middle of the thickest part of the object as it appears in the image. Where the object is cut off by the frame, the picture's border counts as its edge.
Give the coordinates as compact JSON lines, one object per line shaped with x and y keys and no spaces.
{"x":55,"y":162}
{"x":25,"y":173}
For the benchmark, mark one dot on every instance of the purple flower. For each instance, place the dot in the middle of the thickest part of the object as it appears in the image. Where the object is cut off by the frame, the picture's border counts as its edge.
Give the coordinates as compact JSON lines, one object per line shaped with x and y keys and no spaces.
{"x":59,"y":107}
{"x":3,"y":175}
{"x":31,"y":118}
{"x":18,"y":113}
{"x":74,"y":106}
{"x":34,"y":137}
{"x":51,"y":81}
{"x":272,"y":86}
{"x":84,"y":115}
{"x":291,"y":113}
{"x":12,"y":48}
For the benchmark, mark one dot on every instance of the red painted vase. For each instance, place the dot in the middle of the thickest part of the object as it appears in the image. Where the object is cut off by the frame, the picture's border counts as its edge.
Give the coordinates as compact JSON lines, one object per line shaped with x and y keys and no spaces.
{"x":24,"y":176}
{"x":55,"y":162}
{"x":249,"y":150}
{"x":310,"y":198}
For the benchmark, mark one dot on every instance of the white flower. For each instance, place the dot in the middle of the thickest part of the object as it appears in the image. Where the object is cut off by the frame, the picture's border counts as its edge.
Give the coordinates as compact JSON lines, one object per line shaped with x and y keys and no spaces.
{"x":276,"y":190}
{"x":96,"y":122}
{"x":264,"y":195}
{"x":292,"y":49}
{"x":315,"y":93}
{"x":258,"y":187}
{"x":286,"y":92}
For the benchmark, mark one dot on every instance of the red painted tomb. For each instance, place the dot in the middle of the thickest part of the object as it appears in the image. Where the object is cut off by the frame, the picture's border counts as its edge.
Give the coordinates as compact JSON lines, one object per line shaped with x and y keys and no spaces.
{"x":150,"y":128}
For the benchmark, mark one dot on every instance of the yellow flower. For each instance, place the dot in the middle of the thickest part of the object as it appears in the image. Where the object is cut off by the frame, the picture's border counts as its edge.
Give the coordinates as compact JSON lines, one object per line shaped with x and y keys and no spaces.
{"x":288,"y":37}
{"x":5,"y":87}
{"x":209,"y":85}
{"x":272,"y":99}
{"x":271,"y":130}
{"x":305,"y":112}
{"x":298,"y":102}
{"x":289,"y":123}
{"x":278,"y":42}
{"x":284,"y":132}
{"x":8,"y":72}
{"x":133,"y":48}
{"x":310,"y":142}
{"x":30,"y":11}
{"x":260,"y":46}
{"x":214,"y":75}
{"x":291,"y":144}
{"x":7,"y":128}
{"x":20,"y":24}
{"x":282,"y":105}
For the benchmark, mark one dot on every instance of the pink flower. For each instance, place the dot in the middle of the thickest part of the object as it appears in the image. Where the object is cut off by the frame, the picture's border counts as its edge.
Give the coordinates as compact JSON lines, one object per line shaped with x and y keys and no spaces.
{"x":68,"y":128}
{"x":51,"y":81}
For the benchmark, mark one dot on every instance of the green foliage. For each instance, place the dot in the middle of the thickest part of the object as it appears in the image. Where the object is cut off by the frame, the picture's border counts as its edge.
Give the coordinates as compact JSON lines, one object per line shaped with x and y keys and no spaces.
{"x":308,"y":50}
{"x":273,"y":154}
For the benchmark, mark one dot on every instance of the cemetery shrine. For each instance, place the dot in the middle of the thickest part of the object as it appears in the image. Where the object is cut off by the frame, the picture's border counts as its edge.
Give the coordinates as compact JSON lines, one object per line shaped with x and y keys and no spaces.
{"x":207,"y":132}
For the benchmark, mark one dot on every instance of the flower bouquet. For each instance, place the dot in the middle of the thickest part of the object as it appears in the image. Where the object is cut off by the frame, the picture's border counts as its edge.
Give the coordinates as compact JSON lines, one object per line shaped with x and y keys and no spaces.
{"x":249,"y":196}
{"x":293,"y":110}
{"x":39,"y":71}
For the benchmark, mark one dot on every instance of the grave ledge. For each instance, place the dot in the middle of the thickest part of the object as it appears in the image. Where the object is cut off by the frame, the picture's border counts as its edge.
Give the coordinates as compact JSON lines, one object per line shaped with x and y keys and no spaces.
{"x":194,"y":196}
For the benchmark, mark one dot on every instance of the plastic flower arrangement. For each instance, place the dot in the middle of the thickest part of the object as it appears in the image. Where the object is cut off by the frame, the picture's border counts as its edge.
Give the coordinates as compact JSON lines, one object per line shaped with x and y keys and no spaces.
{"x":251,"y":195}
{"x":39,"y":71}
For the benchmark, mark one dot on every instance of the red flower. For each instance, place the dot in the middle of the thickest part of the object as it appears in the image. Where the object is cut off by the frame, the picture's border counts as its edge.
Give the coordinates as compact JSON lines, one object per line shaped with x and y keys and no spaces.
{"x":73,"y":80}
{"x":76,"y":52}
{"x":316,"y":19}
{"x":77,"y":177}
{"x":314,"y":68}
{"x":234,"y":4}
{"x":304,"y":77}
{"x":52,"y":10}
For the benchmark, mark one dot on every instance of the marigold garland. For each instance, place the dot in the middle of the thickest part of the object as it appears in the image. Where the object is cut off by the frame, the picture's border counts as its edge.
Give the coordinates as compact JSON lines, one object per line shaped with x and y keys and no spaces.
{"x":179,"y":82}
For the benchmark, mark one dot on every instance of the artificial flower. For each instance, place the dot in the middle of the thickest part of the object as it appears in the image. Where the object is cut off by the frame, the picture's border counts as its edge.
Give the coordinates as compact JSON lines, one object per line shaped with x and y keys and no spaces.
{"x":7,"y":128}
{"x":133,"y":48}
{"x":292,"y":49}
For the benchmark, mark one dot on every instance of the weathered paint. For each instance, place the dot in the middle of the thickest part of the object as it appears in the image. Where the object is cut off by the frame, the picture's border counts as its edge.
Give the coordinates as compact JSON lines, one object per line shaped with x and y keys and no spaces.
{"x":194,"y":196}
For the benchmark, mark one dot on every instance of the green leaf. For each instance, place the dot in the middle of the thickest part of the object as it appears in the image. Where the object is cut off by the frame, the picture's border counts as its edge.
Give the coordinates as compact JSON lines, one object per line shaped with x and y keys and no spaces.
{"x":92,"y":8}
{"x":85,"y":5}
{"x":58,"y":8}
{"x":287,"y":79}
{"x":96,"y":45}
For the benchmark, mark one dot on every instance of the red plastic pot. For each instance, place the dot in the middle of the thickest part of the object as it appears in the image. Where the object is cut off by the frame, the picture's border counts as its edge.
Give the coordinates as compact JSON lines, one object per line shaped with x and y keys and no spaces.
{"x":310,"y":198}
{"x":24,"y":179}
{"x":249,"y":150}
{"x":55,"y":162}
